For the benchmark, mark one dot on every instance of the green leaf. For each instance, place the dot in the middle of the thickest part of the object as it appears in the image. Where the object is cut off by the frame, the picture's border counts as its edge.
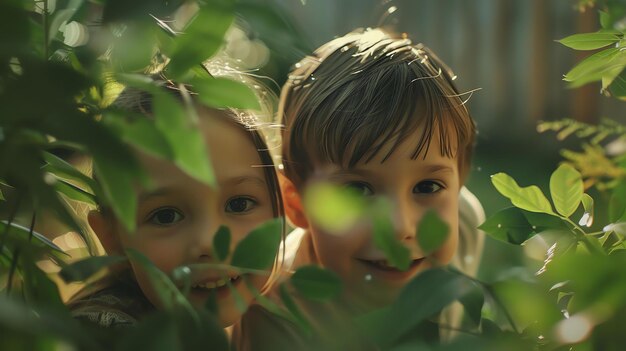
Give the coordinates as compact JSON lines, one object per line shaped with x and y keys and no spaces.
{"x":224,"y":92}
{"x":618,"y":86}
{"x":333,"y":208}
{"x":73,"y":192}
{"x":259,"y":248}
{"x":118,"y":188}
{"x":595,"y":66}
{"x":142,"y":133}
{"x":530,"y":198}
{"x":221,"y":243}
{"x":385,"y":239}
{"x":473,"y":303}
{"x":38,"y":289}
{"x":432,"y":232}
{"x":591,"y":41}
{"x":86,"y":268}
{"x":187,"y":141}
{"x":64,"y":170}
{"x":509,"y":225}
{"x":542,"y":221}
{"x":134,"y":50}
{"x":617,"y":203}
{"x":169,"y":295}
{"x":18,"y":236}
{"x":566,"y":188}
{"x":292,"y":307}
{"x":208,"y":27}
{"x":417,"y":302}
{"x":587,"y":218}
{"x":316,"y":283}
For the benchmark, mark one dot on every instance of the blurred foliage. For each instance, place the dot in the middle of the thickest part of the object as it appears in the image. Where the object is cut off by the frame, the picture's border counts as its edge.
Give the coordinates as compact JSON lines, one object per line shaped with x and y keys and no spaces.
{"x":63,"y":62}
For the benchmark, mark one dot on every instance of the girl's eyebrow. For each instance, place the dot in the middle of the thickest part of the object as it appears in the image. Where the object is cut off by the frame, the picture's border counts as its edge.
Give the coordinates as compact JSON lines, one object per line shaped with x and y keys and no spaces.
{"x":163,"y":191}
{"x":245,"y":179}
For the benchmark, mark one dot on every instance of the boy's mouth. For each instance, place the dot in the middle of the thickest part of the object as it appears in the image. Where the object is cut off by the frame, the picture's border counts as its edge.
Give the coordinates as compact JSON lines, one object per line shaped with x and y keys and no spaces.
{"x":216,"y":284}
{"x":386,"y":266}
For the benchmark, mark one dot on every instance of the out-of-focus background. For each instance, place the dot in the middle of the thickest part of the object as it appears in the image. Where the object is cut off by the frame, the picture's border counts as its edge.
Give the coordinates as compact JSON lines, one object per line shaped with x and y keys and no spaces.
{"x":507,"y":48}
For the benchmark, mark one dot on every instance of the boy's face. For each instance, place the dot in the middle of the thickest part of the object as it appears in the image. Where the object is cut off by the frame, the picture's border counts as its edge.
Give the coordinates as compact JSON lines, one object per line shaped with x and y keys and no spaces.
{"x":177,"y":219}
{"x":411,"y":187}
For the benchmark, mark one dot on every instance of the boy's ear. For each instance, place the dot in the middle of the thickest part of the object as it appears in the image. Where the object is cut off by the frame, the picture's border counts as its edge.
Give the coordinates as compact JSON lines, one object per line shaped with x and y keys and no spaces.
{"x":104,"y":229}
{"x":292,"y":202}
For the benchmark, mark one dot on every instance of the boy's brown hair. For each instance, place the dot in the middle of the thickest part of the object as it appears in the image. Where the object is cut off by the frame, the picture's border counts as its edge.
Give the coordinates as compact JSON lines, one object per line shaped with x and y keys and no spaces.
{"x":363,"y":90}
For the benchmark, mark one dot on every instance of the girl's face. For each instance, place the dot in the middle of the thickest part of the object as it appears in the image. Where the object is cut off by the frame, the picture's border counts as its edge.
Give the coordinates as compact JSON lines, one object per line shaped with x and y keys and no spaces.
{"x":411,"y":187}
{"x":178,"y":217}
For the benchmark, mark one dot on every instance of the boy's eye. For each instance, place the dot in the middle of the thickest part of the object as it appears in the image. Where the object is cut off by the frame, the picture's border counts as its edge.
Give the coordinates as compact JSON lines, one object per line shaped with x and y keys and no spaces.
{"x":360,"y":188}
{"x":240,"y":205}
{"x":165,"y":216}
{"x":427,"y":187}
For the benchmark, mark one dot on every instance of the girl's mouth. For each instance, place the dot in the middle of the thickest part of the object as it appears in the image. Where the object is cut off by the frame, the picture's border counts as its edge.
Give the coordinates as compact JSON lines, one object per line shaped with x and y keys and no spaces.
{"x":384,"y":265}
{"x":216,"y":284}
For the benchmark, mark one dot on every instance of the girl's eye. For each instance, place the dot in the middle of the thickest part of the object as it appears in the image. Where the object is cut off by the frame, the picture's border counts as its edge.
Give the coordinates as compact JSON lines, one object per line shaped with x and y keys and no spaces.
{"x":240,"y":205}
{"x":165,"y":216}
{"x":360,"y":188}
{"x":427,"y":187}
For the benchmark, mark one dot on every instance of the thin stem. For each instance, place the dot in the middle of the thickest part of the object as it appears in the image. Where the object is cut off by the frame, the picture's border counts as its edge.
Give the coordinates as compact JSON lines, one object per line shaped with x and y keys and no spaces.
{"x":45,"y":29}
{"x":583,"y":237}
{"x":12,"y":270}
{"x":508,"y":316}
{"x":5,"y":233}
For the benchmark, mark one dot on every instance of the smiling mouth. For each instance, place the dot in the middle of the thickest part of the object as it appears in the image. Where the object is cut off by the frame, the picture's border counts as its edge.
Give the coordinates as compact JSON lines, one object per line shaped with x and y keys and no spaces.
{"x":216,"y":284}
{"x":386,"y":266}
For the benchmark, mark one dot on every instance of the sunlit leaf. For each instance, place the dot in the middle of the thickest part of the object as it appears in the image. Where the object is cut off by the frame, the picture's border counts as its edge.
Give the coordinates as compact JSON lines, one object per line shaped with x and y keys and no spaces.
{"x":316,"y":283}
{"x":75,"y":193}
{"x":594,"y":66}
{"x":591,"y":41}
{"x":432,"y":232}
{"x":618,"y":86}
{"x":259,"y":248}
{"x":333,"y":208}
{"x":530,"y":198}
{"x":86,"y":268}
{"x":64,"y":170}
{"x":223,"y":92}
{"x":566,"y":188}
{"x":207,"y":27}
{"x":509,"y":225}
{"x":221,"y":243}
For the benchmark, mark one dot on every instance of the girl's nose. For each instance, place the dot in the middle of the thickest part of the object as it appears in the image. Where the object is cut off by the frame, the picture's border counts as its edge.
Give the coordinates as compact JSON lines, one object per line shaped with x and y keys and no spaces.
{"x":201,"y":247}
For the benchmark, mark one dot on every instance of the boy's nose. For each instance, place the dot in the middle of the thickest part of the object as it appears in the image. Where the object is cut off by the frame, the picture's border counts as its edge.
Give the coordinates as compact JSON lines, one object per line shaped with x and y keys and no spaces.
{"x":404,"y":221}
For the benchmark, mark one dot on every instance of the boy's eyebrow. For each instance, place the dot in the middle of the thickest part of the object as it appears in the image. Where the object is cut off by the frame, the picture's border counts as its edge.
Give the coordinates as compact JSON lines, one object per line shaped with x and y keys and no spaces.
{"x":435,"y":168}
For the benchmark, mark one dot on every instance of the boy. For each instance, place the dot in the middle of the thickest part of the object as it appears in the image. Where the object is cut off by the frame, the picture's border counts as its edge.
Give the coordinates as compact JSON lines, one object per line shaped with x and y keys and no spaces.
{"x":372,"y":112}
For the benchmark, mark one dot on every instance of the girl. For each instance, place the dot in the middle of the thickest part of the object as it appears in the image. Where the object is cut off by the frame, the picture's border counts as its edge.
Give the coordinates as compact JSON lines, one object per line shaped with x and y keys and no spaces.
{"x":178,"y":216}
